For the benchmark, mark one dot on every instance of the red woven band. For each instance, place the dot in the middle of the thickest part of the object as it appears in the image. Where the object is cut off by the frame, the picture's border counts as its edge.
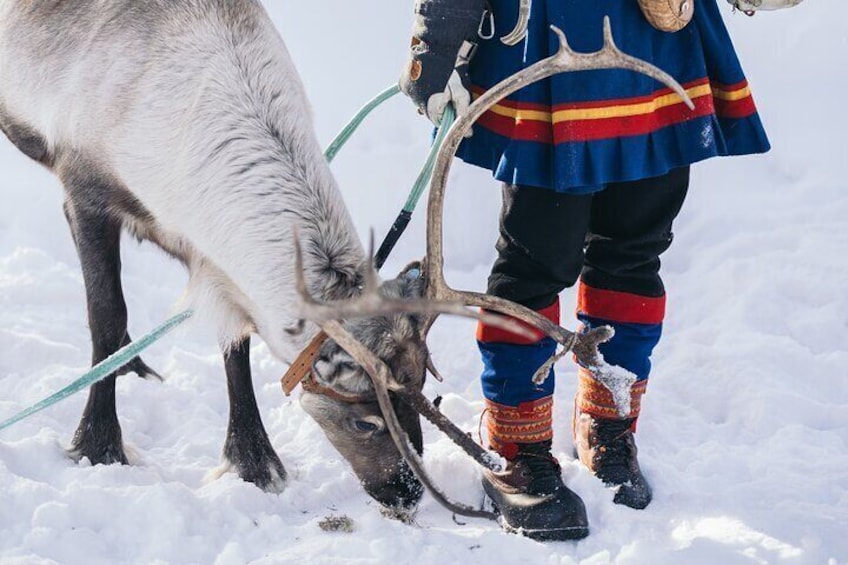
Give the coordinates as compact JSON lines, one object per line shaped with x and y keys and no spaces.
{"x":594,"y":398}
{"x":529,"y":422}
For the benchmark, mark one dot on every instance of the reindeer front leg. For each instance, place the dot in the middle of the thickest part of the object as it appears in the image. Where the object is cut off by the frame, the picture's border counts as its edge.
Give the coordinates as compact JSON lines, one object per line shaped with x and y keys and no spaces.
{"x":97,"y":237}
{"x":247,"y":449}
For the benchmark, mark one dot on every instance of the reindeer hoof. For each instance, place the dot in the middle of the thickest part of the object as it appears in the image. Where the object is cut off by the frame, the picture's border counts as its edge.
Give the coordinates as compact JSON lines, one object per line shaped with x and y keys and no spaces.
{"x":270,"y":476}
{"x":255,"y":462}
{"x":101,"y":445}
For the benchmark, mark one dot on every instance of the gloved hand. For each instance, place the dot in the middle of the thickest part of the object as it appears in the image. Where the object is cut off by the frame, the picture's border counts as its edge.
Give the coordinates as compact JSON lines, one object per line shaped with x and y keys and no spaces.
{"x":443,"y":43}
{"x":436,"y":86}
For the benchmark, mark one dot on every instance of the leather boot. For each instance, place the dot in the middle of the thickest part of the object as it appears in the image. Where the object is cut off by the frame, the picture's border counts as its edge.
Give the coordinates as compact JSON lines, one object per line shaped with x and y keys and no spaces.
{"x":608,"y":449}
{"x":532,"y":498}
{"x":529,"y":493}
{"x":603,"y":441}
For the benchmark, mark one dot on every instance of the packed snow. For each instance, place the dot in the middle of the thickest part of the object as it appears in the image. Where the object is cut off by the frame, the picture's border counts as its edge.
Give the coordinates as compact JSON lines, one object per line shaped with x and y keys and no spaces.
{"x":744,"y":432}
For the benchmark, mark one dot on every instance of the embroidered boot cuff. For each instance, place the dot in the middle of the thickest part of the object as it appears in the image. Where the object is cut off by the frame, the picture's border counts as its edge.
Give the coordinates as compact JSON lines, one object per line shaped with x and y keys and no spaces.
{"x":529,"y":422}
{"x":594,"y":398}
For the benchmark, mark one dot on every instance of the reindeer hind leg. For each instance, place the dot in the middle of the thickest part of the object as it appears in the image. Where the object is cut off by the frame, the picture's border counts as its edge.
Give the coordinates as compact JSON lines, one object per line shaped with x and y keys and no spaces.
{"x":97,"y":238}
{"x":97,"y":235}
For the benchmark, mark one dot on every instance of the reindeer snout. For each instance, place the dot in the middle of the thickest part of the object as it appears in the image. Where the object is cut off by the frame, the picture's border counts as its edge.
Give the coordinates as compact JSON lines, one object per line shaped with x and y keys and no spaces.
{"x":401,"y":493}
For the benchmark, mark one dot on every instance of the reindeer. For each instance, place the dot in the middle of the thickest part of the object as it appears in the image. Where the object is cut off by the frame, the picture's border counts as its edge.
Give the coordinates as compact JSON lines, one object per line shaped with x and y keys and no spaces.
{"x":186,"y":125}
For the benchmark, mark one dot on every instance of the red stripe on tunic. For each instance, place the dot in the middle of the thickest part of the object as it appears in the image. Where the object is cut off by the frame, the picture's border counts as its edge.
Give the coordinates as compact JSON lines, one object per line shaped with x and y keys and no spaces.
{"x":589,"y":130}
{"x":625,"y":126}
{"x":735,"y":108}
{"x":730,"y":87}
{"x":477,"y":91}
{"x":542,"y":131}
{"x":741,"y":108}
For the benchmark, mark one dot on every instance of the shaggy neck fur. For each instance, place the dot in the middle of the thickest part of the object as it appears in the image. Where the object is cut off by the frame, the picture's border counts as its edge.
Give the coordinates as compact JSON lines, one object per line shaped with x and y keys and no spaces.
{"x":198,"y":112}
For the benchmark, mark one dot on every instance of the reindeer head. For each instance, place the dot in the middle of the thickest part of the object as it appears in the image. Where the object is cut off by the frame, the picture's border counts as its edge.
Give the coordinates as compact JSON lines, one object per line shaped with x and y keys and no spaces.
{"x":340,"y":397}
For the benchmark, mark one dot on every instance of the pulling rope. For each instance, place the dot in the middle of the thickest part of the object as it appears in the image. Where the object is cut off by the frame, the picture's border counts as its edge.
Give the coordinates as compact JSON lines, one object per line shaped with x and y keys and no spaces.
{"x":421,"y":183}
{"x":102,"y":369}
{"x":131,"y":351}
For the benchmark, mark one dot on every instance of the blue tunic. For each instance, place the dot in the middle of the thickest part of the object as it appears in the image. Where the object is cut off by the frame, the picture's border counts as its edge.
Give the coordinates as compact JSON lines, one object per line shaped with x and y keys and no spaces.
{"x":576,"y":132}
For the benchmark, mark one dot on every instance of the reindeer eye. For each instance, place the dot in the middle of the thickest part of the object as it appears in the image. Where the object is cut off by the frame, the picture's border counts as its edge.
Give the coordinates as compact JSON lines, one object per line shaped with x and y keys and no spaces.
{"x":365,"y":426}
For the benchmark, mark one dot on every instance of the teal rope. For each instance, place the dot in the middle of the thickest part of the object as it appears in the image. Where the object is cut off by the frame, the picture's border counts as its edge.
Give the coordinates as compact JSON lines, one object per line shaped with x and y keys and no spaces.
{"x":102,"y":369}
{"x":129,"y":352}
{"x":343,"y":137}
{"x":423,"y":180}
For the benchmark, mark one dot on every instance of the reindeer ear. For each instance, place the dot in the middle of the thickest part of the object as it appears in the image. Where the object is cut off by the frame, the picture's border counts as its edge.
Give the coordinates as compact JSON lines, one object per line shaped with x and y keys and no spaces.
{"x":411,"y":280}
{"x":411,"y":271}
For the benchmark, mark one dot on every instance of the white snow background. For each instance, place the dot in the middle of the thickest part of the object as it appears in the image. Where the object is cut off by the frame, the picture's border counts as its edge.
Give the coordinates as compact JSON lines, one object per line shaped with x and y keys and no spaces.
{"x":744,"y":432}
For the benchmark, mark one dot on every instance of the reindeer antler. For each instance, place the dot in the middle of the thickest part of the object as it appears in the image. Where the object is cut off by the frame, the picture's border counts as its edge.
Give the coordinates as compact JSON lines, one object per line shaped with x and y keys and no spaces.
{"x":584,"y":345}
{"x":383,"y":382}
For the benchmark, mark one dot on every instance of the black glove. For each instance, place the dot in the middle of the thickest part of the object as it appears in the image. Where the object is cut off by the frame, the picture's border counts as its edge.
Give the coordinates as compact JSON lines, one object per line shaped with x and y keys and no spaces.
{"x":443,"y":41}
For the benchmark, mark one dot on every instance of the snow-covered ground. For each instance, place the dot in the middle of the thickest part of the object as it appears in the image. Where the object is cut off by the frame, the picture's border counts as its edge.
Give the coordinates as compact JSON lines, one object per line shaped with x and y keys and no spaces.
{"x":744,"y":431}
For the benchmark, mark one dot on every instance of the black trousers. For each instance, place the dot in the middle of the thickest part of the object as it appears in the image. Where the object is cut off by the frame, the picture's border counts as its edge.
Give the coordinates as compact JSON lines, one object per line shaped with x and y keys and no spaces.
{"x":611,"y":239}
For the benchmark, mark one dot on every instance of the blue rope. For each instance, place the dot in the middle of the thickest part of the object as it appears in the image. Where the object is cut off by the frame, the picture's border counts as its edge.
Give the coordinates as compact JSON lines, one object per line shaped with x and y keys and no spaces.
{"x":129,"y":352}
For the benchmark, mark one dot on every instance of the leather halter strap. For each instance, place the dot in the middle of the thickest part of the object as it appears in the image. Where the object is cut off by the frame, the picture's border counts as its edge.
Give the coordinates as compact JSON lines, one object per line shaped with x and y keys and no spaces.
{"x":300,"y":373}
{"x":302,"y":365}
{"x":309,"y":384}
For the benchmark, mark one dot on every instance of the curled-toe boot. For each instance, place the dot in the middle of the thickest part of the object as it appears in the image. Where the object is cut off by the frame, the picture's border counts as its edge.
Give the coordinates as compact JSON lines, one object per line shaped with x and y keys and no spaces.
{"x":529,"y":494}
{"x":532,"y":498}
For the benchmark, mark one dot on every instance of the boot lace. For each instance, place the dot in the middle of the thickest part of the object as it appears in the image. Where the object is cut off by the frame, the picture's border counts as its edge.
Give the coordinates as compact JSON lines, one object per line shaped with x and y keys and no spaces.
{"x":542,"y":467}
{"x":614,"y":450}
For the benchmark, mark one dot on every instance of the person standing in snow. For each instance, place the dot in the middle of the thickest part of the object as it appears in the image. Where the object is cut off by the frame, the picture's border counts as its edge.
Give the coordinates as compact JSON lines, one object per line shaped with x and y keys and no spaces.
{"x":595,"y":168}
